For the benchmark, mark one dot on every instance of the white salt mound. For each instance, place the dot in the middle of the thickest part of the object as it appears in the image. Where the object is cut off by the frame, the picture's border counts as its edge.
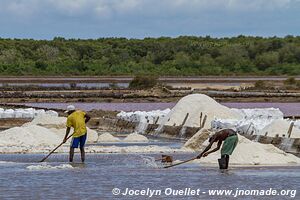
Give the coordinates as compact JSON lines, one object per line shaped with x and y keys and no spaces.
{"x":49,"y":121}
{"x":92,"y":135}
{"x":149,"y":117}
{"x":280,"y":127}
{"x":135,"y":137}
{"x":194,"y":104}
{"x":260,"y":113}
{"x":28,"y":136}
{"x":253,"y":153}
{"x":25,"y":113}
{"x":297,"y":124}
{"x":58,"y":126}
{"x":197,"y":140}
{"x":40,"y":135}
{"x":245,"y":126}
{"x":107,"y":137}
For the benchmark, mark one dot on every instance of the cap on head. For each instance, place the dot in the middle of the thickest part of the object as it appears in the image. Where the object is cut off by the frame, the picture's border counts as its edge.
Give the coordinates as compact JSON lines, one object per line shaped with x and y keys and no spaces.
{"x":70,"y":108}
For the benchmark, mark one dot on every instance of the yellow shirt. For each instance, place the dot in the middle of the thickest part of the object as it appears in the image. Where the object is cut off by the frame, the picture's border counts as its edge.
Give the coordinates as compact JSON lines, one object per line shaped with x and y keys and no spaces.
{"x":77,"y":121}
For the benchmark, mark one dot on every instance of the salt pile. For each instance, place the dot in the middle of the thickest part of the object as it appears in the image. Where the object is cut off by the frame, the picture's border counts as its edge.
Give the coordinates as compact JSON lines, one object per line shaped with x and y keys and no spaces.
{"x":49,"y":167}
{"x":252,"y":153}
{"x":141,"y":127}
{"x":40,"y":135}
{"x":197,"y":140}
{"x":135,"y":137}
{"x":25,"y":113}
{"x":260,"y":113}
{"x":29,"y":135}
{"x":254,"y":120}
{"x":224,"y":123}
{"x":144,"y":117}
{"x":194,"y":104}
{"x":9,"y":113}
{"x":107,"y":137}
{"x":49,"y":121}
{"x":23,"y":139}
{"x":280,"y":127}
{"x":242,"y":126}
{"x":297,"y":124}
{"x":58,"y":126}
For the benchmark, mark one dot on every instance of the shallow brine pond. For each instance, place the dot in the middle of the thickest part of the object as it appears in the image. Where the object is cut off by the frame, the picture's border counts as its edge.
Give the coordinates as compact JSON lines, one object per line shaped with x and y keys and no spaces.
{"x":22,"y":177}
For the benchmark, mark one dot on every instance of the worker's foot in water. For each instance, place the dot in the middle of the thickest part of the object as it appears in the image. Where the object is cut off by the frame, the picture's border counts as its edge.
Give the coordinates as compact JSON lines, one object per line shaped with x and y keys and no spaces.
{"x":224,"y":171}
{"x":223,"y":162}
{"x":82,"y":152}
{"x":71,"y":155}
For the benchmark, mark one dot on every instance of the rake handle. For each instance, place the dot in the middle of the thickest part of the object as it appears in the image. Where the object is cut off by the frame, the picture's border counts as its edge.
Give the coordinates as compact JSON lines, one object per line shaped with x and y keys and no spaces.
{"x":180,"y":163}
{"x":55,"y":149}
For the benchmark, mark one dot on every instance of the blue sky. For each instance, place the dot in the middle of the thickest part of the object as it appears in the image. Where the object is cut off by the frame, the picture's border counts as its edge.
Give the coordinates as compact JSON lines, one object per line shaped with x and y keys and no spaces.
{"x":45,"y":19}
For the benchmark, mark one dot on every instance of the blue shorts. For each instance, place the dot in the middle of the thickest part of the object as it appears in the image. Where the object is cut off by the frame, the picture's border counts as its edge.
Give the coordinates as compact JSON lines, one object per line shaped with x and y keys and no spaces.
{"x":78,"y":140}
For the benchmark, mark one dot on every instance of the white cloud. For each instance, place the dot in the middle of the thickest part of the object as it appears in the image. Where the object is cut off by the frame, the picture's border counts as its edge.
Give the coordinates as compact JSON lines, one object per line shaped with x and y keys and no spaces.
{"x":71,"y":7}
{"x":127,"y":5}
{"x":110,"y":7}
{"x":102,"y":10}
{"x":257,"y":4}
{"x":19,"y":8}
{"x":233,"y":5}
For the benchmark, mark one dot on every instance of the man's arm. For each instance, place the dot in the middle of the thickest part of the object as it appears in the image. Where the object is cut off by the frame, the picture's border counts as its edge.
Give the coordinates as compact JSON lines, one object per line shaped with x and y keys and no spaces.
{"x":214,"y":150}
{"x":67,"y":133}
{"x":205,"y":150}
{"x":87,"y":118}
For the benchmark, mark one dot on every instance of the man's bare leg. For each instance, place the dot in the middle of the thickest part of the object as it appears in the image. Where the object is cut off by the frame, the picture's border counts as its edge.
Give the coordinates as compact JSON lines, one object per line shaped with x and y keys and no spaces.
{"x":71,"y":155}
{"x":82,"y":154}
{"x":227,"y":161}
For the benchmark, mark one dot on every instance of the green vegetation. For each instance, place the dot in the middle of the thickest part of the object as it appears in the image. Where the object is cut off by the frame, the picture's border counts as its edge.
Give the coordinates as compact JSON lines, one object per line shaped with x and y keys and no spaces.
{"x":154,"y":56}
{"x":292,"y":83}
{"x":143,"y":82}
{"x":260,"y":85}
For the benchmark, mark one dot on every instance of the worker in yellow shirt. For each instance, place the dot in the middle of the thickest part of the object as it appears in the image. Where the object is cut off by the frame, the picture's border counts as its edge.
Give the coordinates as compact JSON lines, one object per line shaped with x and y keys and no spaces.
{"x":77,"y":120}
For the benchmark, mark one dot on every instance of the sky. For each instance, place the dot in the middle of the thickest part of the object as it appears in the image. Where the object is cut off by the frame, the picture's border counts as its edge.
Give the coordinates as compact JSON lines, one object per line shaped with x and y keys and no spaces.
{"x":46,"y":19}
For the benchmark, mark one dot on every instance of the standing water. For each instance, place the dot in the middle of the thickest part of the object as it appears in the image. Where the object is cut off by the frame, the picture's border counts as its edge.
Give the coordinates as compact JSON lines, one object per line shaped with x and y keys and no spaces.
{"x":22,"y":177}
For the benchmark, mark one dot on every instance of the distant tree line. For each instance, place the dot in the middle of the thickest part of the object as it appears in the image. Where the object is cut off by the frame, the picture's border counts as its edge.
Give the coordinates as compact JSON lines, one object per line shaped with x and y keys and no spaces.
{"x":155,"y":56}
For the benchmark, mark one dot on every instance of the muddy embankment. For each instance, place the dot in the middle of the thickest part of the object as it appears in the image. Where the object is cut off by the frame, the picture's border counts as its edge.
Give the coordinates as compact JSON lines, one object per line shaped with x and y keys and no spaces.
{"x":115,"y":89}
{"x":150,"y":95}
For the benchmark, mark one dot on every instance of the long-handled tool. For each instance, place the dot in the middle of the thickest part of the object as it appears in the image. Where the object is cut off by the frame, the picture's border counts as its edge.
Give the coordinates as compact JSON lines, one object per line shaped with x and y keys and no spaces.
{"x":55,"y":149}
{"x":181,"y":162}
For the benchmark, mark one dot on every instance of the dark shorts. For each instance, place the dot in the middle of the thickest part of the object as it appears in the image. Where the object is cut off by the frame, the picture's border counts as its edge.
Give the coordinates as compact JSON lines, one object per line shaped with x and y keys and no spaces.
{"x":229,"y":145}
{"x":78,"y":141}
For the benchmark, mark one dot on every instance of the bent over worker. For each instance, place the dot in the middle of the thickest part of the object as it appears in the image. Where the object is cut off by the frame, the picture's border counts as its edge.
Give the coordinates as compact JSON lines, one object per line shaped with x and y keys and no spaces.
{"x":230,"y":139}
{"x":77,"y":120}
